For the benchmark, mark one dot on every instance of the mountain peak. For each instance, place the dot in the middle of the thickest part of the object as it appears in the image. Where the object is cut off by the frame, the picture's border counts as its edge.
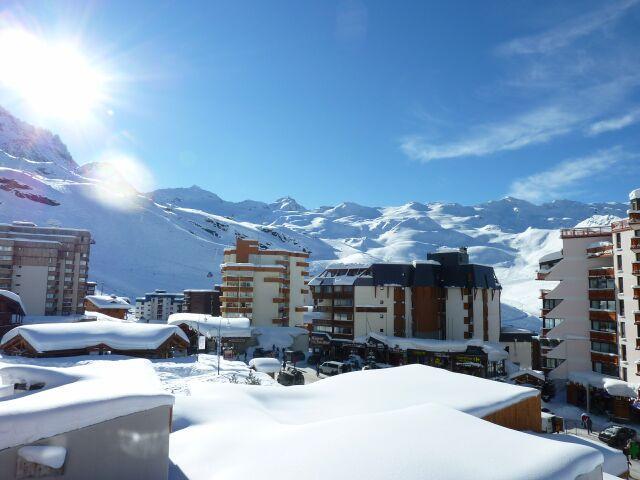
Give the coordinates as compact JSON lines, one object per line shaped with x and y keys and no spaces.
{"x":287,"y":204}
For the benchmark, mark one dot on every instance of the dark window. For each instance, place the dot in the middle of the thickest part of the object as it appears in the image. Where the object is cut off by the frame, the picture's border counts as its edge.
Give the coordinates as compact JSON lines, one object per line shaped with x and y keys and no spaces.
{"x":621,"y":307}
{"x":604,"y":347}
{"x":618,"y":241}
{"x":623,"y":351}
{"x":621,"y":284}
{"x":619,"y":262}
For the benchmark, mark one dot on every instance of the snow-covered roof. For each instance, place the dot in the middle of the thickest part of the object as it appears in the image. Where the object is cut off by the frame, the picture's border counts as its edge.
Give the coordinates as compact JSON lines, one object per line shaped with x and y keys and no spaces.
{"x":495,"y":352}
{"x":527,"y":371}
{"x":634,"y":194}
{"x":14,"y":297}
{"x":265,"y":364}
{"x":410,"y":405}
{"x":208,"y":325}
{"x":109,"y":302}
{"x":549,"y":257}
{"x":613,"y":386}
{"x":75,"y":397}
{"x":117,"y":335}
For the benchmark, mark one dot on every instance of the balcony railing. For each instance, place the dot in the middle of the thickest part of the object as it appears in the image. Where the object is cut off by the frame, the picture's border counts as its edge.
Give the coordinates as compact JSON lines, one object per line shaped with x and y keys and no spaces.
{"x":601,"y":251}
{"x":635,"y":243}
{"x":634,"y":218}
{"x":635,"y":268}
{"x":602,"y":294}
{"x":606,"y":272}
{"x":585,"y":232}
{"x":543,"y":293}
{"x":636,"y":292}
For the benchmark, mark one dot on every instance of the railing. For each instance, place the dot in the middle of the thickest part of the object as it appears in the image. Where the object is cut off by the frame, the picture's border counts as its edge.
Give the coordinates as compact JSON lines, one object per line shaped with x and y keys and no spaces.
{"x":543,"y":293}
{"x":602,"y":272}
{"x":619,"y":225}
{"x":584,"y":232}
{"x":635,"y":243}
{"x":634,"y":218}
{"x":601,"y":251}
{"x":635,"y":268}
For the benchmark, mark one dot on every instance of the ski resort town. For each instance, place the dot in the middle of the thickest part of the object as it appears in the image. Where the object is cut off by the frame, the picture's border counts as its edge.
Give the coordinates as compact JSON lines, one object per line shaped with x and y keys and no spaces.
{"x":257,"y":374}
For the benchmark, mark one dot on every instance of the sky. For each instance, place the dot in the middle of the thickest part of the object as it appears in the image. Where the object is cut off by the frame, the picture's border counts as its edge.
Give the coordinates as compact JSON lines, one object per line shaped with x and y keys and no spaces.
{"x":377,"y":102}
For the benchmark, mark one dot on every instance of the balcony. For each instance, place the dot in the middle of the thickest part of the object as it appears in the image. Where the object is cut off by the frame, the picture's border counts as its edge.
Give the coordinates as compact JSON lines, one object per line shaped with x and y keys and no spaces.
{"x":542,"y":274}
{"x":606,"y":272}
{"x":635,"y":268}
{"x":619,"y":225}
{"x":600,"y":251}
{"x":637,"y":343}
{"x":636,"y":316}
{"x":585,"y":232}
{"x":635,"y":244}
{"x":604,"y":357}
{"x":543,"y":294}
{"x":636,"y":292}
{"x":634,"y":219}
{"x":597,"y":336}
{"x":602,"y":294}
{"x":602,"y":315}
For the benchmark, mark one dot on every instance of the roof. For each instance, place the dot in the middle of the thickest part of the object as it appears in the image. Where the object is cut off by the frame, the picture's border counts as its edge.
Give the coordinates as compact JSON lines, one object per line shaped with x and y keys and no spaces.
{"x":109,"y":302}
{"x":613,"y":386}
{"x":49,"y":337}
{"x":75,"y":397}
{"x":208,"y":325}
{"x":527,"y":371}
{"x":634,"y":194}
{"x":550,"y":257}
{"x":265,"y":365}
{"x":14,"y":297}
{"x":512,"y":334}
{"x":412,"y":405}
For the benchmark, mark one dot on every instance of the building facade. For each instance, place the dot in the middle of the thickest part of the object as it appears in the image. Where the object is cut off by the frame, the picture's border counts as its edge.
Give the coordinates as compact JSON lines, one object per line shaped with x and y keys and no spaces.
{"x":578,"y":314}
{"x":111,"y":305}
{"x":46,"y":266}
{"x":626,"y":269}
{"x":202,"y":301}
{"x":267,"y":286}
{"x":156,"y":307}
{"x":444,"y":298}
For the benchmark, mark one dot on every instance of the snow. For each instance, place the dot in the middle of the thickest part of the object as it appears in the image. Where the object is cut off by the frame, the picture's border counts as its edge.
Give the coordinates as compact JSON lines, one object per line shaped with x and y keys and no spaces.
{"x":613,"y":386}
{"x":48,"y":455}
{"x":600,"y":244}
{"x":550,"y":257}
{"x":495,"y":352}
{"x":208,"y":325}
{"x":117,"y":335}
{"x":14,"y":297}
{"x":75,"y":397}
{"x":376,"y":418}
{"x":265,"y":365}
{"x":634,"y":194}
{"x":107,"y":302}
{"x":278,"y":336}
{"x":527,"y":371}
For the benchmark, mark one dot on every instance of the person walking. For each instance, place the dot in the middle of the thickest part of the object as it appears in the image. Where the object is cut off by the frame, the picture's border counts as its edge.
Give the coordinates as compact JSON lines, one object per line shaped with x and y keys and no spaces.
{"x":625,"y":450}
{"x":318,"y":369}
{"x":589,"y":423}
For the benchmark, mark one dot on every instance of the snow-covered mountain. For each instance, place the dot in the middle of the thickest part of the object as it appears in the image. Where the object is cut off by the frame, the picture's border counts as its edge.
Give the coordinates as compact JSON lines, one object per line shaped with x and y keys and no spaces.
{"x":173,"y":238}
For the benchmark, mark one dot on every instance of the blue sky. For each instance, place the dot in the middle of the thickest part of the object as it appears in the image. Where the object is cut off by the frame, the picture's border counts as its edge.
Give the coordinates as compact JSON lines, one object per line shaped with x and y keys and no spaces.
{"x":375,"y":102}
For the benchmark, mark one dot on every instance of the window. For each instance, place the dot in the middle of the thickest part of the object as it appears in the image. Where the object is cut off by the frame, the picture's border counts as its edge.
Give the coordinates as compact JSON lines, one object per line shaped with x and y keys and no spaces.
{"x":601,"y":283}
{"x":621,"y":307}
{"x":621,"y":284}
{"x":608,"y":305}
{"x":550,"y":303}
{"x":618,"y":241}
{"x":624,"y":374}
{"x":605,"y":368}
{"x":619,"y":260}
{"x":599,"y":326}
{"x":549,"y":342}
{"x":551,"y":362}
{"x":604,"y":347}
{"x":623,"y":351}
{"x":551,"y":322}
{"x":623,"y":330}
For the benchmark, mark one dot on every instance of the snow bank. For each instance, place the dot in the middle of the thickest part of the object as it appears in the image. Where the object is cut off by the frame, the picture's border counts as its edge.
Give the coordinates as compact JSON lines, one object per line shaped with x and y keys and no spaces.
{"x":50,"y":456}
{"x":208,"y":325}
{"x":374,"y":419}
{"x":14,"y":297}
{"x":265,"y":365}
{"x":613,"y":386}
{"x":117,"y":335}
{"x":75,"y":397}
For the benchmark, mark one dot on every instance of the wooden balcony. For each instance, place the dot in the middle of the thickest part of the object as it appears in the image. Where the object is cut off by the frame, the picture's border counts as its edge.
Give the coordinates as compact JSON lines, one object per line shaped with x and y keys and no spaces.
{"x":604,"y":358}
{"x":634,"y":218}
{"x":224,"y":288}
{"x":601,"y":251}
{"x":606,"y":272}
{"x":636,"y":292}
{"x":543,"y":294}
{"x":637,"y":343}
{"x":635,"y":244}
{"x":636,"y":318}
{"x":602,"y":294}
{"x":610,"y":337}
{"x":236,"y":309}
{"x":544,"y":312}
{"x":542,"y":274}
{"x":635,"y":268}
{"x":585,"y":232}
{"x":602,"y":315}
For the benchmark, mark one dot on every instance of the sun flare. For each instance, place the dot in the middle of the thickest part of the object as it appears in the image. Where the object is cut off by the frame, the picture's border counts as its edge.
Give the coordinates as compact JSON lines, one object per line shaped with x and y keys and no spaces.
{"x":55,"y":79}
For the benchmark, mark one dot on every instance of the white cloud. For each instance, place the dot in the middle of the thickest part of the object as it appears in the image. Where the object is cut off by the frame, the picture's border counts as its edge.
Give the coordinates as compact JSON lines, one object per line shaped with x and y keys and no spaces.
{"x":615,"y":123}
{"x":565,"y":177}
{"x":566,"y":33}
{"x":535,"y":127}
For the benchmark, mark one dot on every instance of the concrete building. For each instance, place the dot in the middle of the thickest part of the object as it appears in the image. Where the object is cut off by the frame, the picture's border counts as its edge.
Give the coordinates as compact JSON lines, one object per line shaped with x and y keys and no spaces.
{"x":626,"y":269}
{"x":578,"y":315}
{"x":46,"y":266}
{"x":205,"y":301}
{"x":267,"y":286}
{"x":110,"y":305}
{"x":158,"y":305}
{"x":443,"y":298}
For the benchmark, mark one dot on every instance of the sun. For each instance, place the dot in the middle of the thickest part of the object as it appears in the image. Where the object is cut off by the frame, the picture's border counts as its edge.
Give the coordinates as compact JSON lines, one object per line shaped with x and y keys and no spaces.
{"x":55,"y":79}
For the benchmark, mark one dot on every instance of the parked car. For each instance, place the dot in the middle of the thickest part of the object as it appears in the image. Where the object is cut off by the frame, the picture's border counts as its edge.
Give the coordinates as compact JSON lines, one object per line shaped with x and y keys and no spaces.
{"x":616,"y":435}
{"x":290,"y":376}
{"x":332,"y":368}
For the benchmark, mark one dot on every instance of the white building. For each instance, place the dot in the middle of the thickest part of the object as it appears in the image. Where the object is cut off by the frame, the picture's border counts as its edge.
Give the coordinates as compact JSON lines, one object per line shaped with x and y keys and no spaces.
{"x":444,"y":297}
{"x":267,"y":286}
{"x":578,"y":314}
{"x":626,"y":243}
{"x":157,"y":306}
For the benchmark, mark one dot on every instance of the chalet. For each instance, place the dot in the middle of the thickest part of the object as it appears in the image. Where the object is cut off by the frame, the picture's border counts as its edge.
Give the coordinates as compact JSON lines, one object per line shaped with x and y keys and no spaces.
{"x":116,"y":307}
{"x":96,"y":337}
{"x":11,"y":311}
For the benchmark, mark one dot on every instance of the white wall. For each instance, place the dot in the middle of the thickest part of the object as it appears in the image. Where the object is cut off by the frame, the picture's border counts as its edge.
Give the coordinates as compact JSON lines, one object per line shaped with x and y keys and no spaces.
{"x":33,"y":287}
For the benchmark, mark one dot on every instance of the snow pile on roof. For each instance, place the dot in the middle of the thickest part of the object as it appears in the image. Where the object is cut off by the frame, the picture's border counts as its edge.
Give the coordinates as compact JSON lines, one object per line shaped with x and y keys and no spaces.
{"x":613,"y":386}
{"x":634,"y":194}
{"x":550,"y":257}
{"x":278,"y":336}
{"x":14,"y":297}
{"x":615,"y":463}
{"x":109,"y":302}
{"x":265,"y":364}
{"x":117,"y":335}
{"x":48,"y":455}
{"x":75,"y":397}
{"x":360,"y":412}
{"x":527,"y":371}
{"x":495,"y":352}
{"x":208,"y":325}
{"x":76,"y":317}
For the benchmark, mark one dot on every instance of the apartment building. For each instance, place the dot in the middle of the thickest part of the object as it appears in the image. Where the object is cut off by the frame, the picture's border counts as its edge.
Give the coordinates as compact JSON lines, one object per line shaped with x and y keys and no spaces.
{"x":267,"y":286}
{"x":579,"y":315}
{"x":443,"y":298}
{"x":626,"y":269}
{"x":111,"y":305}
{"x":155,"y":307}
{"x":205,"y":301}
{"x":46,"y":266}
